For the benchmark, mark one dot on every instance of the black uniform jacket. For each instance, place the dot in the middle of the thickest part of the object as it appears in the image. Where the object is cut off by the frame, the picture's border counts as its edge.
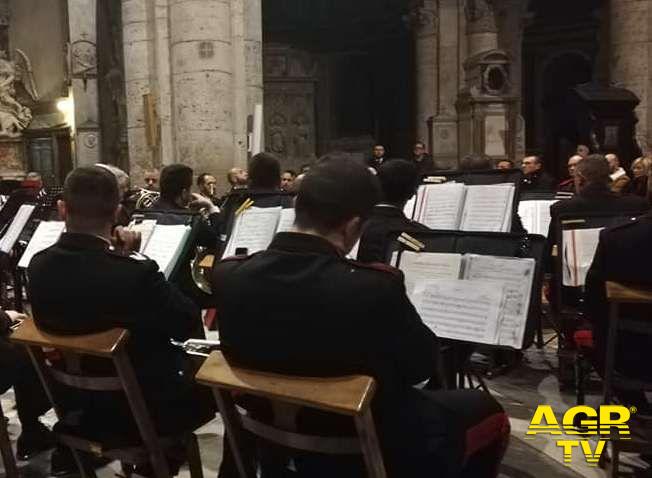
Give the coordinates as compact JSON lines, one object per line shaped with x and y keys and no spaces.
{"x":623,"y":255}
{"x":538,"y":182}
{"x":301,"y":308}
{"x":385,"y":219}
{"x":80,"y":286}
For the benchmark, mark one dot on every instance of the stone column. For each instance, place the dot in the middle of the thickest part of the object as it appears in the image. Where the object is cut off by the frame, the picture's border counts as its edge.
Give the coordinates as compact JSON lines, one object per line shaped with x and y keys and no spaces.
{"x":631,"y":58}
{"x":239,"y":83}
{"x":481,"y":29}
{"x":254,"y":53}
{"x":202,"y":60}
{"x":83,"y":44}
{"x":424,"y":21}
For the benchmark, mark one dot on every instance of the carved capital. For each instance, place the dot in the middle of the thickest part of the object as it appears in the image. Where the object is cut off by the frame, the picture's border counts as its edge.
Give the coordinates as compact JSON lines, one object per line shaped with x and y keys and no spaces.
{"x":423,"y":17}
{"x":480,"y":16}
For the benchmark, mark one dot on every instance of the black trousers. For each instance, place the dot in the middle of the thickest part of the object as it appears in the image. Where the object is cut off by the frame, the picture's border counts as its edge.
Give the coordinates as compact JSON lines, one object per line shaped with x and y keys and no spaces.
{"x":16,"y":370}
{"x":446,"y":434}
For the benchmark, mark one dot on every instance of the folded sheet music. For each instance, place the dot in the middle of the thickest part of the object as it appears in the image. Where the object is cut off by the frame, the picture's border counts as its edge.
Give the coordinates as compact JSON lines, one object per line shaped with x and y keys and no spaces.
{"x":535,"y":216}
{"x":461,"y":309}
{"x":455,"y":206}
{"x":253,"y":230}
{"x":579,"y":246}
{"x":16,"y":227}
{"x":511,"y":277}
{"x":165,"y":246}
{"x":146,"y":228}
{"x":286,"y":220}
{"x":46,"y":235}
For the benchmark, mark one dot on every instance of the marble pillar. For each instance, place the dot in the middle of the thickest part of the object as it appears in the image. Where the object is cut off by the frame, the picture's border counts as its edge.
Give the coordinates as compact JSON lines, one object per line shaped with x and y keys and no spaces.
{"x":254,"y":56}
{"x":83,"y":55}
{"x":631,"y":58}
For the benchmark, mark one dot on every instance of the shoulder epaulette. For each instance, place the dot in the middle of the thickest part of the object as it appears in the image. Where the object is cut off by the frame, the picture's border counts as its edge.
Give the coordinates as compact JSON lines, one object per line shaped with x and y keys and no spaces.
{"x":378,"y":266}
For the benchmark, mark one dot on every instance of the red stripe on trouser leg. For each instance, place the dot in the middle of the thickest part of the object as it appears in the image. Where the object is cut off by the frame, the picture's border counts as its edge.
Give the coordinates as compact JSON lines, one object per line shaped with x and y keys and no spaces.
{"x":489,"y":431}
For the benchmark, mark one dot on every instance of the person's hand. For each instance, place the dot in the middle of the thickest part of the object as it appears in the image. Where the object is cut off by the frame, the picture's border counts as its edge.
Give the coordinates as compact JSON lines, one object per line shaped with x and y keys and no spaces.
{"x":15,"y":316}
{"x":200,"y":202}
{"x":125,"y":241}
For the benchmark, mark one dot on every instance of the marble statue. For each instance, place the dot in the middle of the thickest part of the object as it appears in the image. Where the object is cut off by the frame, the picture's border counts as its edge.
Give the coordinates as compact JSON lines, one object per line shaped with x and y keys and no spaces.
{"x":15,"y":117}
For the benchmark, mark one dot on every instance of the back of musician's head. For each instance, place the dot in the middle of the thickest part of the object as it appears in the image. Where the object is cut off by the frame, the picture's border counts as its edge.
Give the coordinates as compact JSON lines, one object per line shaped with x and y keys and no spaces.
{"x":264,"y":172}
{"x":120,"y":176}
{"x":593,"y":170}
{"x":334,"y":192}
{"x":91,"y":197}
{"x":175,"y":178}
{"x":399,"y":180}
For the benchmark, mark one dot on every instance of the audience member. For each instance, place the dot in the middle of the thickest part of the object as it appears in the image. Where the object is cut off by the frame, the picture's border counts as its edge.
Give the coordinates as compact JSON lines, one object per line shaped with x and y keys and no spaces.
{"x":377,"y":157}
{"x":583,"y":150}
{"x":535,"y":178}
{"x":594,"y":195}
{"x":476,"y":162}
{"x":83,"y":276}
{"x":399,"y":180}
{"x":505,"y":164}
{"x":619,"y":179}
{"x":568,"y":185}
{"x":641,"y":169}
{"x":424,"y":162}
{"x":623,"y":255}
{"x":17,"y":371}
{"x":287,"y":180}
{"x":351,"y":318}
{"x":206,"y":184}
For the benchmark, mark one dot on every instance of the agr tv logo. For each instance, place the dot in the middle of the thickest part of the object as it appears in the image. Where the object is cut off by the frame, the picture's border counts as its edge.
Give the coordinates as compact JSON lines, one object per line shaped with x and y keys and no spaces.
{"x":582,"y":422}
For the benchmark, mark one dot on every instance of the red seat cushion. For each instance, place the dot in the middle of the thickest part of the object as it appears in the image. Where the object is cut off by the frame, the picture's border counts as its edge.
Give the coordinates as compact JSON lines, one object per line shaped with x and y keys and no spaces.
{"x":583,"y":339}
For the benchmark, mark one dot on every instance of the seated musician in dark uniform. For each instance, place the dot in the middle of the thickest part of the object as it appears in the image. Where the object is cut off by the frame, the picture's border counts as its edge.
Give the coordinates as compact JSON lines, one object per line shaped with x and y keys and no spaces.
{"x":623,"y":255}
{"x":352,"y":318}
{"x":264,"y":190}
{"x":90,"y":281}
{"x":399,"y":180}
{"x":17,"y":371}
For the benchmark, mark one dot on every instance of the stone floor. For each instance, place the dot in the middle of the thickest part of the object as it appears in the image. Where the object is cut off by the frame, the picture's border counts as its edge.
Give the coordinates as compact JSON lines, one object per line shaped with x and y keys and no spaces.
{"x":520,"y":391}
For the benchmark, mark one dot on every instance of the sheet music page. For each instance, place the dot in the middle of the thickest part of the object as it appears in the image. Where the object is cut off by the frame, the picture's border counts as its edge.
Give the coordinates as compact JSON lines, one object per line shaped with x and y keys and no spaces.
{"x":286,"y":222}
{"x":16,"y":227}
{"x":254,"y":230}
{"x":165,"y":246}
{"x":579,"y":249}
{"x":440,"y":205}
{"x":408,"y":210}
{"x":460,"y":309}
{"x":425,"y":266}
{"x":353,"y":255}
{"x":47,"y":234}
{"x":535,"y":216}
{"x":486,"y":208}
{"x":516,"y":276}
{"x":146,"y":228}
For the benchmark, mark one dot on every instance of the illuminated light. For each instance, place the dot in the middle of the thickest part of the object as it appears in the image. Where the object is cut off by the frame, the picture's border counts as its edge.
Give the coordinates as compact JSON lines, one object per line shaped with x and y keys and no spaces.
{"x":67,"y":107}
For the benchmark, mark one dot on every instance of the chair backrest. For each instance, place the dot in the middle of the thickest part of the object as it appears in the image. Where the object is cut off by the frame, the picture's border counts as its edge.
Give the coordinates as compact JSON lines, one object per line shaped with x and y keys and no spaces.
{"x":109,"y":345}
{"x":349,"y":396}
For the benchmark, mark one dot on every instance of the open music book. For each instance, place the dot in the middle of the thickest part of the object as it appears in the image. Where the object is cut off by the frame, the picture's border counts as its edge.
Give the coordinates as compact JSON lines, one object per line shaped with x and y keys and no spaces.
{"x":535,"y":216}
{"x":579,"y":246}
{"x":255,"y":228}
{"x":46,"y":235}
{"x":16,"y":227}
{"x":482,"y":299}
{"x":455,"y":206}
{"x":164,"y":245}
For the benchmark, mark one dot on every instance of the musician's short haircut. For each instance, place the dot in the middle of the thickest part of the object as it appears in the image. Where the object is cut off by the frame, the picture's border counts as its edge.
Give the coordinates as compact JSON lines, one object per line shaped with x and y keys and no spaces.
{"x":264,"y":172}
{"x":91,"y":195}
{"x":594,"y":169}
{"x":174,"y":179}
{"x":334,"y":192}
{"x":399,"y":180}
{"x":202,"y":178}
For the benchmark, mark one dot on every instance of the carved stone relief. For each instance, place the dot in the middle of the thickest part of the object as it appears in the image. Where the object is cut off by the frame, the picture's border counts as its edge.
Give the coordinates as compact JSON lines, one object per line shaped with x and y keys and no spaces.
{"x":15,"y":116}
{"x":423,"y":17}
{"x":480,"y":16}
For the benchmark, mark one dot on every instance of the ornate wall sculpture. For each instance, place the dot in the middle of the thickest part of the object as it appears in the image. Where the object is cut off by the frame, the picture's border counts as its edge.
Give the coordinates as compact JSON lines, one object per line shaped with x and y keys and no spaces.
{"x":480,"y":16}
{"x":14,"y":116}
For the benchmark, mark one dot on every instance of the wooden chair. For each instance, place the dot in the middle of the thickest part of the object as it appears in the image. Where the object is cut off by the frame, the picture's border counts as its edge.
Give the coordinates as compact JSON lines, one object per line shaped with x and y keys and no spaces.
{"x":641,"y":428}
{"x":111,"y":346}
{"x":11,"y":471}
{"x":348,"y":396}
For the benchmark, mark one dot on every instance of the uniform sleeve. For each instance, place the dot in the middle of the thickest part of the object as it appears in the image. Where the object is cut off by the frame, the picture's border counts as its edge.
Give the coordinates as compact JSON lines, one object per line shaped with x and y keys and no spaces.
{"x":208,"y":231}
{"x":415,"y":346}
{"x":168,"y":310}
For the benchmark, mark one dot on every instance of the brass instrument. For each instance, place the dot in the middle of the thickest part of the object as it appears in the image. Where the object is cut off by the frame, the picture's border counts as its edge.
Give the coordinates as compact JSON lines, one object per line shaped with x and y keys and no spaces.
{"x":200,"y":274}
{"x":145,"y":199}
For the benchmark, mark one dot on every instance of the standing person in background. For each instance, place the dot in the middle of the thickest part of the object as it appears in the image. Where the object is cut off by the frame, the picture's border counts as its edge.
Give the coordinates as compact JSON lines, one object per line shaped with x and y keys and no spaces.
{"x":422,"y":160}
{"x":568,"y":186}
{"x":619,"y":179}
{"x":640,"y":171}
{"x":377,"y":157}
